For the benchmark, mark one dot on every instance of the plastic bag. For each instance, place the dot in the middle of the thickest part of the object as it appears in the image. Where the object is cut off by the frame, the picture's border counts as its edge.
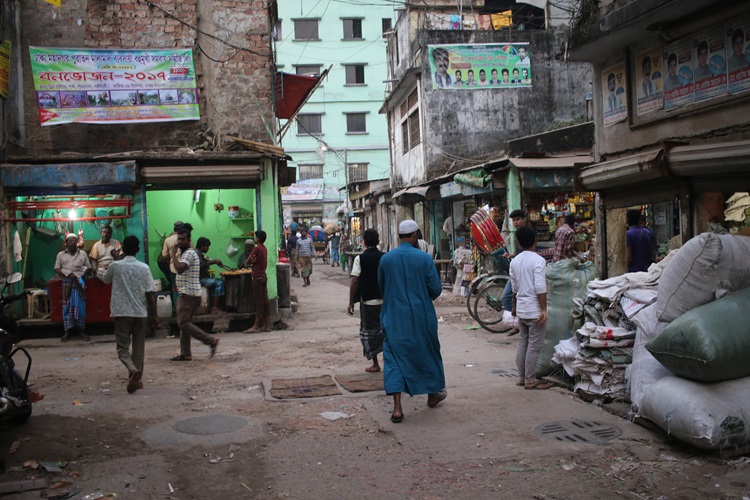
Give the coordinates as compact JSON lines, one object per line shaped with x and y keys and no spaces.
{"x":231,"y":249}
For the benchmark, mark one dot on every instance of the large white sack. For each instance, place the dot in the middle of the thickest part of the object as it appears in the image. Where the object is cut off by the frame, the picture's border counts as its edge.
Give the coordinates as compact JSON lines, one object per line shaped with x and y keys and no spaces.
{"x":706,"y":267}
{"x":711,"y":416}
{"x":645,"y":368}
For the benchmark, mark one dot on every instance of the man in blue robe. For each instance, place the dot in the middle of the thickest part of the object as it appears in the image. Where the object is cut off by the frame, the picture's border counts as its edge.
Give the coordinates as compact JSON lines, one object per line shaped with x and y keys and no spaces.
{"x":411,"y":350}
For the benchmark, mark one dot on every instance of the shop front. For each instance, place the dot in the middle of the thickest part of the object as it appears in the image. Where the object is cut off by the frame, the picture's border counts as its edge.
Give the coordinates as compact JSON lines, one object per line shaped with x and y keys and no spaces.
{"x":681,"y":191}
{"x":225,"y":199}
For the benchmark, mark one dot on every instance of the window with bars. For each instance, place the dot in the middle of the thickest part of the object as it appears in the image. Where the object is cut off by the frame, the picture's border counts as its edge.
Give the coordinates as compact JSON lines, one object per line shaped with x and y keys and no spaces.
{"x":306,"y":29}
{"x":311,"y":171}
{"x":308,"y":69}
{"x":357,"y":172}
{"x":356,"y":123}
{"x":352,"y":29}
{"x":387,"y":25}
{"x":276,"y":31}
{"x":309,"y":124}
{"x":355,"y":74}
{"x":410,"y":125}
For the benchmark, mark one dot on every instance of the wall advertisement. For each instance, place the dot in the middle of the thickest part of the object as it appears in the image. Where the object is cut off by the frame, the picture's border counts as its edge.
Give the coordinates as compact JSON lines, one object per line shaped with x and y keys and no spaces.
{"x":649,"y":88}
{"x":738,"y":55}
{"x":678,"y":68}
{"x":614,"y":95}
{"x":709,"y":64}
{"x":114,"y":86}
{"x":480,"y":66}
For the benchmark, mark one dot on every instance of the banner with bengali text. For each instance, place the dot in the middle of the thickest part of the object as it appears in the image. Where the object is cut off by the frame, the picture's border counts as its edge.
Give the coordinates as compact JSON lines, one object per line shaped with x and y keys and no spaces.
{"x":480,"y":66}
{"x":114,"y":86}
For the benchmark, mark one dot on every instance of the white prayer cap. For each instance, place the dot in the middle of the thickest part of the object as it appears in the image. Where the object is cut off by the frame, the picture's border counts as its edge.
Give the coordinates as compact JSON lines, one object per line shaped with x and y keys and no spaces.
{"x":71,"y":235}
{"x":407,"y":226}
{"x":249,"y":241}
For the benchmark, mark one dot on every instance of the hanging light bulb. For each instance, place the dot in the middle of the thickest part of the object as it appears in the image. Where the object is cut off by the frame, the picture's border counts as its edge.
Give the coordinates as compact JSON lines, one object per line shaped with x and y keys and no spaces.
{"x":72,"y":214}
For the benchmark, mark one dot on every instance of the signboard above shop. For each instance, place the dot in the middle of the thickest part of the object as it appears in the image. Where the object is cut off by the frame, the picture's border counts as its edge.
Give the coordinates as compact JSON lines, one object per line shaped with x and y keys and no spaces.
{"x":450,"y":189}
{"x":114,"y":86}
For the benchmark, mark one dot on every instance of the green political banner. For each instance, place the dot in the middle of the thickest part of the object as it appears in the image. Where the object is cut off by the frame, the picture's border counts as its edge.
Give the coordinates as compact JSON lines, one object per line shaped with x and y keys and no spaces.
{"x":480,"y":66}
{"x":114,"y":86}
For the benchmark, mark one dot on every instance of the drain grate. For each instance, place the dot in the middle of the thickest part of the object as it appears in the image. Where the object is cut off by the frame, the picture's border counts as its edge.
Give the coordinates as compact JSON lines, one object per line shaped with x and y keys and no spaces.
{"x":579,"y":431}
{"x":505,"y":373}
{"x":212,"y":424}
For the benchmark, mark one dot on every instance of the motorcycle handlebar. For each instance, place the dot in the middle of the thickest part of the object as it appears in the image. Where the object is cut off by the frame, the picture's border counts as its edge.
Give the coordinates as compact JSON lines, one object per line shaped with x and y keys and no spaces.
{"x":12,"y":298}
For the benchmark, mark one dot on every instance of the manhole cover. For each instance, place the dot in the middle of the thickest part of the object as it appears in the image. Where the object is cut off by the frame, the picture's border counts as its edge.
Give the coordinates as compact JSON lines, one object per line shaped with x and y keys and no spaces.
{"x":579,"y":431}
{"x":505,"y":373}
{"x":213,"y":424}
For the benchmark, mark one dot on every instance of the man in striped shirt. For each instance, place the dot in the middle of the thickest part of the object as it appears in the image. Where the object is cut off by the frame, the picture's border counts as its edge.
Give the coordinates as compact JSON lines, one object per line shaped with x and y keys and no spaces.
{"x":305,"y":254}
{"x":565,"y":240}
{"x":188,"y":284}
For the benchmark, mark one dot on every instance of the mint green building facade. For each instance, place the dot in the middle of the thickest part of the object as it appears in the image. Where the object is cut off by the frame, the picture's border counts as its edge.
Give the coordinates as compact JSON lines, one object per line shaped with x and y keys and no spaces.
{"x":339,"y":136}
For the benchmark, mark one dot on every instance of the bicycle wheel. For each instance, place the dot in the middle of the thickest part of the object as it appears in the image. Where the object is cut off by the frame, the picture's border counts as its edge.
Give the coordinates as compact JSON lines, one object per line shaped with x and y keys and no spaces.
{"x":473,"y":287}
{"x":488,"y":307}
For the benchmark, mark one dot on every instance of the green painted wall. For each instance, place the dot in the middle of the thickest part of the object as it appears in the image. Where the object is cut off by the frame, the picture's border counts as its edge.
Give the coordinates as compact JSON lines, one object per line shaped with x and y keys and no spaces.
{"x":43,"y":249}
{"x":166,"y":207}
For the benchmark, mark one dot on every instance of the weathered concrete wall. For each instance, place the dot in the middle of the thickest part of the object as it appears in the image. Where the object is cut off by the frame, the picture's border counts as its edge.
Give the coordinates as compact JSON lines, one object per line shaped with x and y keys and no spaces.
{"x":462,"y":128}
{"x":235,"y":94}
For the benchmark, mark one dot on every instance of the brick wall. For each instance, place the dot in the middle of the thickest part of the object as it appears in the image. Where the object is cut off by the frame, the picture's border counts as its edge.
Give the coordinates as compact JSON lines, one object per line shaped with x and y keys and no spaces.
{"x":235,"y":93}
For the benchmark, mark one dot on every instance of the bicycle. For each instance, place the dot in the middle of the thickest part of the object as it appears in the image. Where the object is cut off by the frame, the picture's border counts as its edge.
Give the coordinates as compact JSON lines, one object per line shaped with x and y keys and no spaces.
{"x":487,"y":307}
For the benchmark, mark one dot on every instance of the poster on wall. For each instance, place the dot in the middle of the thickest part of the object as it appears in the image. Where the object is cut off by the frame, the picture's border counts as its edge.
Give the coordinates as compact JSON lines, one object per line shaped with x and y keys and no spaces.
{"x":114,"y":86}
{"x":614,"y":95}
{"x":678,"y":70}
{"x":649,"y":89}
{"x":472,"y":67}
{"x":709,"y":64}
{"x":738,"y":54}
{"x":4,"y":67}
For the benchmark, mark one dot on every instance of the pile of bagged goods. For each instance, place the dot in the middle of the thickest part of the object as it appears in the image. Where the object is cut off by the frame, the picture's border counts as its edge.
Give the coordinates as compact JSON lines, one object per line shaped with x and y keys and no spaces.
{"x":673,"y":341}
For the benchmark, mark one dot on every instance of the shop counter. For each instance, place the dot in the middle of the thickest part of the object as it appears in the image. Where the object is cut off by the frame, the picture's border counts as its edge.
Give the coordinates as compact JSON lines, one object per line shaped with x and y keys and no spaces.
{"x":98,"y":295}
{"x":239,"y":292}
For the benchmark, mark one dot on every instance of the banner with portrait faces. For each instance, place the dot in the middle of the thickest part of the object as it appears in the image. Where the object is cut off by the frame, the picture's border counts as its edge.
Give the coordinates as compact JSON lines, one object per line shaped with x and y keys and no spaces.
{"x":480,"y":66}
{"x":738,"y":54}
{"x":614,"y":95}
{"x":709,"y":64}
{"x":648,"y":81}
{"x":678,"y":74}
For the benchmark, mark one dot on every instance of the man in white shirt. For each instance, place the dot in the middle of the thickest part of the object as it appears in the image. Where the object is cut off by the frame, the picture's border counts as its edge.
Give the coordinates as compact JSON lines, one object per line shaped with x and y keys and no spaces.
{"x":104,"y":252}
{"x":529,"y":306}
{"x":133,"y":305}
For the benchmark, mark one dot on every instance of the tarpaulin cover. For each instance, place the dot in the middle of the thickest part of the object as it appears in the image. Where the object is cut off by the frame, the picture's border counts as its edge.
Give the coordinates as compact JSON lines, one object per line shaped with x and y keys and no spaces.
{"x":291,"y":91}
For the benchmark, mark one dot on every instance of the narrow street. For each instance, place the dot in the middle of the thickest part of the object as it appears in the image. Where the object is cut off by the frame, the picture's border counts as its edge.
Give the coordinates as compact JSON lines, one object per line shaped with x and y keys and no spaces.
{"x":211,"y":429}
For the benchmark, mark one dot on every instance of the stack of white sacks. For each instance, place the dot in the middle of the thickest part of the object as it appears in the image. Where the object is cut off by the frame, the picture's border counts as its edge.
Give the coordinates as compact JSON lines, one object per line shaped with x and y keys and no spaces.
{"x":691,"y":370}
{"x":614,"y":313}
{"x":690,"y":316}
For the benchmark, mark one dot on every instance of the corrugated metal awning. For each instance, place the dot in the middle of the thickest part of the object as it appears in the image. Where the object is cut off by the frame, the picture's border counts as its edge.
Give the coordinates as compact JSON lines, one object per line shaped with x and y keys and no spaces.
{"x":709,"y":159}
{"x":202,"y":175}
{"x":416,"y":190}
{"x":633,"y":169}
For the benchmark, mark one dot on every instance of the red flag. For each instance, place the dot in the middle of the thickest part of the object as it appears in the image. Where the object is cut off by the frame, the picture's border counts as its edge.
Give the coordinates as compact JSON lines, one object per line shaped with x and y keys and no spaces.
{"x":291,"y":92}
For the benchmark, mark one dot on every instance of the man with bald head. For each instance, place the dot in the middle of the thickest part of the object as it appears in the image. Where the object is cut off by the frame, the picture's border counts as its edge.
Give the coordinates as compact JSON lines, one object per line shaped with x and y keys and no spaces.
{"x":411,"y":349}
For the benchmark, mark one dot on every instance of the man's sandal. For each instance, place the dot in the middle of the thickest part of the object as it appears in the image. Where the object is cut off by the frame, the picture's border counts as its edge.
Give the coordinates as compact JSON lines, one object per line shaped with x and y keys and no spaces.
{"x":180,"y":357}
{"x":539,"y":386}
{"x":440,"y":398}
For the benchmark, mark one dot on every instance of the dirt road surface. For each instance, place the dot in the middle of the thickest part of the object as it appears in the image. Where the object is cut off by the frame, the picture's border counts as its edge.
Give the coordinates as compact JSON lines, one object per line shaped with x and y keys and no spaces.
{"x":210,"y":428}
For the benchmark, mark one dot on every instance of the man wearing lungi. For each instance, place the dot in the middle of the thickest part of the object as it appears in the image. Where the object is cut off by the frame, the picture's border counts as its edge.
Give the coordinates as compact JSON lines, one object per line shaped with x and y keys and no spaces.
{"x":305,"y":254}
{"x":364,"y":289}
{"x":71,"y":265}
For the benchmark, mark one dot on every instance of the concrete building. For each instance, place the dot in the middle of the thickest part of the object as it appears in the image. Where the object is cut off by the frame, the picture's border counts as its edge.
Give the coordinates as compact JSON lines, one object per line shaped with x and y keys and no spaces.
{"x":142,"y":96}
{"x":339,"y":137}
{"x":508,"y":76}
{"x":676,"y":143}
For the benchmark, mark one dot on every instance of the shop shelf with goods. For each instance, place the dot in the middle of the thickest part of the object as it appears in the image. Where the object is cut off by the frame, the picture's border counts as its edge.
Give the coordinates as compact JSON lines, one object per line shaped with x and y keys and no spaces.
{"x":243,"y":226}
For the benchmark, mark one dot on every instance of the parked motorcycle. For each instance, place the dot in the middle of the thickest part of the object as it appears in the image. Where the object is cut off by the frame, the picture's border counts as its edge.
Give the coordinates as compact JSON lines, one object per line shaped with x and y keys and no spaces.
{"x":15,"y":404}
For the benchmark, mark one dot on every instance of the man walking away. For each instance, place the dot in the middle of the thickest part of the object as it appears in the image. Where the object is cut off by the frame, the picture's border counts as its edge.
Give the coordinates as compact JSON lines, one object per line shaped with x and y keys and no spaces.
{"x":188,"y":286}
{"x":641,"y":243}
{"x":565,"y":240}
{"x":335,"y":242}
{"x":71,"y":265}
{"x":133,"y":305}
{"x":364,"y":289}
{"x":344,"y":246}
{"x":215,"y":286}
{"x":411,"y":349}
{"x":530,"y":307}
{"x":305,"y":254}
{"x":291,"y":249}
{"x":258,"y":261}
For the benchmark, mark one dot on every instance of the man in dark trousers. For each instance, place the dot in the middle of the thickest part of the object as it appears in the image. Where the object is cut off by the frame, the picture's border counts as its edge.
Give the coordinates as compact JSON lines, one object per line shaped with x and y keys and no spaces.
{"x":133,"y":306}
{"x":258,"y":261}
{"x":188,"y":284}
{"x":364,"y":289}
